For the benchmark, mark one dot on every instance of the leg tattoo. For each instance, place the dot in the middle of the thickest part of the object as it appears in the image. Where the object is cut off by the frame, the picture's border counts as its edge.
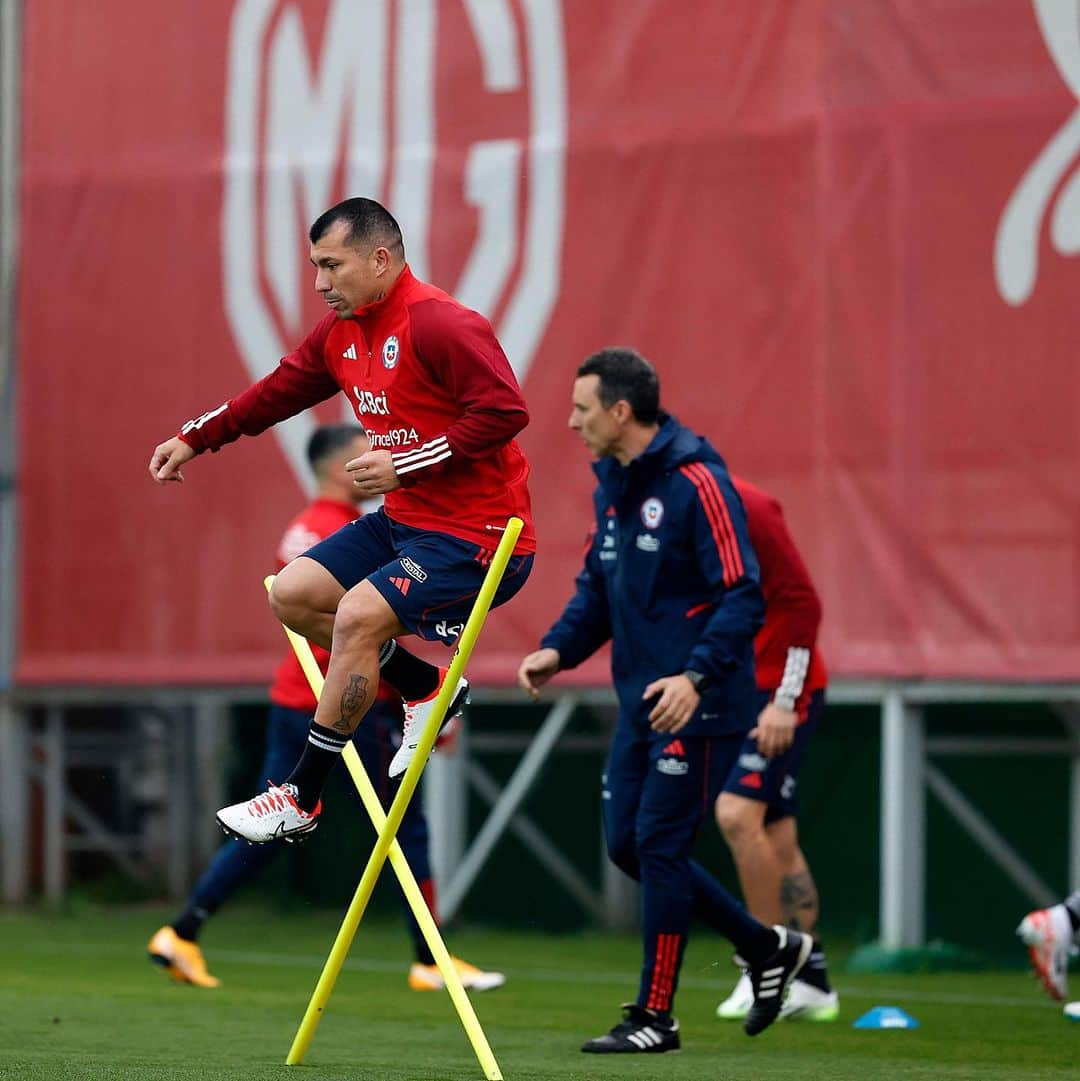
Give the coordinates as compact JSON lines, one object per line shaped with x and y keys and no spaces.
{"x":798,"y":897}
{"x":352,"y":703}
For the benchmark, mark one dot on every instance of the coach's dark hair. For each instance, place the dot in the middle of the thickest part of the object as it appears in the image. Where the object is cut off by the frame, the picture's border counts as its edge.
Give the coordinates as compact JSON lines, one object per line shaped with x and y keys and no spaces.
{"x":625,"y":375}
{"x":369,"y":222}
{"x":328,"y":440}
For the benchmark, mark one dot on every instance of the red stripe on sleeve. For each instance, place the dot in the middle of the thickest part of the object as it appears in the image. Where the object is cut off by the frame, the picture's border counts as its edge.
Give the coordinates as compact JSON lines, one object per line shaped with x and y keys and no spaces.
{"x":697,"y":474}
{"x":727,"y":528}
{"x":719,"y":520}
{"x":687,"y":471}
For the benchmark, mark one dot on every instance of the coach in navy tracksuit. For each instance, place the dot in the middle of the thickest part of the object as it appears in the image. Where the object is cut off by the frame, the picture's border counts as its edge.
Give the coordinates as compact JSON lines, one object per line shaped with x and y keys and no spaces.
{"x":670,"y":577}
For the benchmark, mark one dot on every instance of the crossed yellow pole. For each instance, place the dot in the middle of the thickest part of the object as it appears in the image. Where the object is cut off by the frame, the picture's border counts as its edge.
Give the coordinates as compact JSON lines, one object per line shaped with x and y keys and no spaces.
{"x":387,"y":827}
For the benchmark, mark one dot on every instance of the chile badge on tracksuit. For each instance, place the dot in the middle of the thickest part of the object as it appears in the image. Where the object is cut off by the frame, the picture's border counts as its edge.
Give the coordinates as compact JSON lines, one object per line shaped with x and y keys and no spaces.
{"x":671,"y":577}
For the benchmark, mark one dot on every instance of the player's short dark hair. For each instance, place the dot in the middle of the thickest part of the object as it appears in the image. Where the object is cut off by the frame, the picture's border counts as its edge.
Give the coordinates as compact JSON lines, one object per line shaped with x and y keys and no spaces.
{"x":369,"y":223}
{"x":625,"y":375}
{"x":329,"y":440}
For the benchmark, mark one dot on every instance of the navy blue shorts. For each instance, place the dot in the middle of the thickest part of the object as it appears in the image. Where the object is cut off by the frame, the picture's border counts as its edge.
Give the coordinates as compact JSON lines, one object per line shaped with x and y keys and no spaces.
{"x":774,"y":782}
{"x":429,"y":579}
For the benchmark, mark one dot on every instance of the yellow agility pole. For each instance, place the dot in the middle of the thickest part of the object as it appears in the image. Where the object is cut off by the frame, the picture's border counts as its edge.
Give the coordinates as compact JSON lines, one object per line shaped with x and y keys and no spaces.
{"x":429,"y":929}
{"x":409,"y":782}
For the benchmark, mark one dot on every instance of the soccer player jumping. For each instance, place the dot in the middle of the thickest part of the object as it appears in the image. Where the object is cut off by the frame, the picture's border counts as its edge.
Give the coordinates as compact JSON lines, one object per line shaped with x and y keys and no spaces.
{"x":175,"y":946}
{"x":429,"y":382}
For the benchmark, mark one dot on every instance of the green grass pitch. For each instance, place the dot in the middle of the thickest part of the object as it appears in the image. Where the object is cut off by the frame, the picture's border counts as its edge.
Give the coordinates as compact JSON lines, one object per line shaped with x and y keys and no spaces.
{"x":78,"y":999}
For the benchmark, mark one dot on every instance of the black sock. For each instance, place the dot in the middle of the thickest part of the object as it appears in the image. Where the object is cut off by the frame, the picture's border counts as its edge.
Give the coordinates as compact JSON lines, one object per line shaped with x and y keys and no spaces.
{"x":322,"y":750}
{"x":1072,"y":906}
{"x":760,"y":947}
{"x":413,"y":678}
{"x":814,"y":971}
{"x":190,"y":923}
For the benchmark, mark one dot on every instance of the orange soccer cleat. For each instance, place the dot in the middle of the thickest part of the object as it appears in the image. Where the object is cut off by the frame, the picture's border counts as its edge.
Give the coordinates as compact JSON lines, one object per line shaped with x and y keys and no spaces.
{"x":182,"y":960}
{"x":429,"y":978}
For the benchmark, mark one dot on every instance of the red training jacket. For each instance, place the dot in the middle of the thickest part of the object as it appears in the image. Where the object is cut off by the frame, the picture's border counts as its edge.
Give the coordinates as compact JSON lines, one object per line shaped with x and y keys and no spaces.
{"x":786,"y":657}
{"x":429,"y":382}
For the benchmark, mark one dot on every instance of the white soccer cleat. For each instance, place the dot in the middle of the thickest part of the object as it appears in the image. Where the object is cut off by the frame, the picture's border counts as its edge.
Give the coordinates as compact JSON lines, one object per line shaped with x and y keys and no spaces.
{"x":737,"y":1005}
{"x":1048,"y":935}
{"x":805,"y":1002}
{"x":1072,"y":1011}
{"x":416,"y":718}
{"x":272,"y":816}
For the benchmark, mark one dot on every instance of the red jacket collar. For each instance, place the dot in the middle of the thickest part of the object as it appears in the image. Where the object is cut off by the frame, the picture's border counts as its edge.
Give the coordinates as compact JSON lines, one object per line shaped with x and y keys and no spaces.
{"x":400,"y":286}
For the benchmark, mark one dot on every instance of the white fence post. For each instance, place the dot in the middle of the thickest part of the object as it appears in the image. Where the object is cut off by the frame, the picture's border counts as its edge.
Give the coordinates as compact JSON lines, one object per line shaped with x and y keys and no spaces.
{"x":903,"y":823}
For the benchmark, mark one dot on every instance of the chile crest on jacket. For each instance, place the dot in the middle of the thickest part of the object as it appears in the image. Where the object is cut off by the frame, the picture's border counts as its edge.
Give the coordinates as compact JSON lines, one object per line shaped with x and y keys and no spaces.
{"x":675,"y":579}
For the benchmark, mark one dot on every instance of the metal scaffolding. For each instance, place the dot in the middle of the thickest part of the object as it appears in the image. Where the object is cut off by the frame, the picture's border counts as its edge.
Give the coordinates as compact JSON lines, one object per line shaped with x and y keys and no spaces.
{"x":178,"y":736}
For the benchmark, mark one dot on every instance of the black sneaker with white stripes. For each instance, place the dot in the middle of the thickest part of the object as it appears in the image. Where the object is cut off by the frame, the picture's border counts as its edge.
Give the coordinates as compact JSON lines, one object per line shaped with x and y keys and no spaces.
{"x":770,"y":978}
{"x":640,"y":1031}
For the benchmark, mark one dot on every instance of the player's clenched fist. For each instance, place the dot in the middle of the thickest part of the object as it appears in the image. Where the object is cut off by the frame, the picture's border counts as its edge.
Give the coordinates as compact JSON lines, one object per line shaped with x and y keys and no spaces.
{"x":167,"y":459}
{"x":373,"y":473}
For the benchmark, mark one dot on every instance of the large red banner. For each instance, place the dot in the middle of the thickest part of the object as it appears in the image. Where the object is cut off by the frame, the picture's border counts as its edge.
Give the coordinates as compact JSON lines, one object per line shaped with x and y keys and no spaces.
{"x":843,"y":231}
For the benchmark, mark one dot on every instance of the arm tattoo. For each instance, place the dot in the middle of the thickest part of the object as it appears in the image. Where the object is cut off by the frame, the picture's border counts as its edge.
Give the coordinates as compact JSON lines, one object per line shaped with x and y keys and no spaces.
{"x":352,"y":703}
{"x":798,"y":899}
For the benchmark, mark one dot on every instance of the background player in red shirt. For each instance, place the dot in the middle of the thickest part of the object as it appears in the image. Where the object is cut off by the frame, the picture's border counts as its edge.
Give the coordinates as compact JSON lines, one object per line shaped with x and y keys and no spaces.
{"x":433,"y":389}
{"x":175,"y":946}
{"x":756,"y":811}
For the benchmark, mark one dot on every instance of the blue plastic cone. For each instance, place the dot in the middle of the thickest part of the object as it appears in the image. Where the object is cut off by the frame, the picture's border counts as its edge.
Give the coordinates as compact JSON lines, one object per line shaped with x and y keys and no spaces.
{"x":886,"y":1017}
